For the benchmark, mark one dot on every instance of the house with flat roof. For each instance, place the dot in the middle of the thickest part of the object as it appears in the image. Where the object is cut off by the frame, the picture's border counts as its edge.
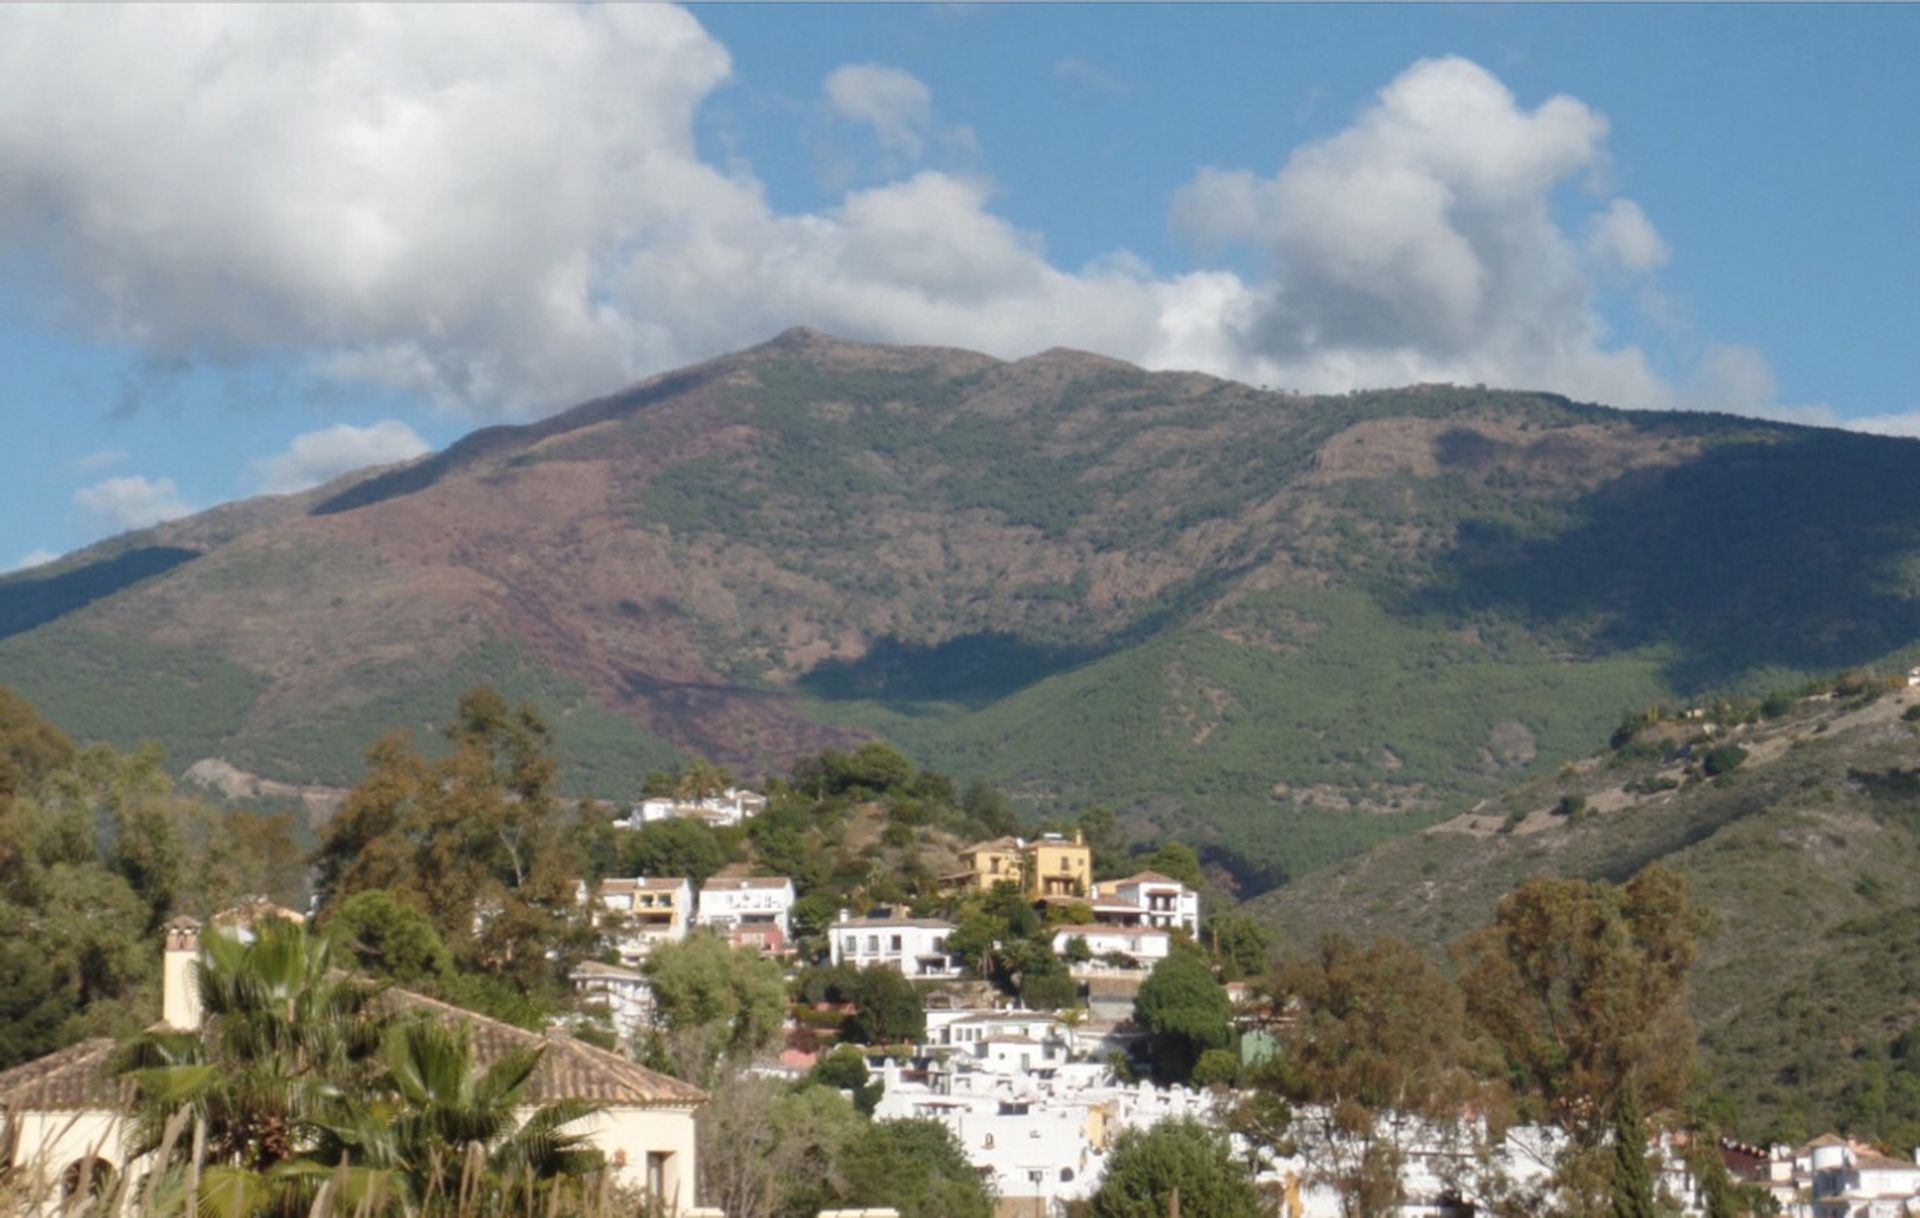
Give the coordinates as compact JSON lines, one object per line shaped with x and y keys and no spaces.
{"x":916,"y":947}
{"x":638,"y":912}
{"x":752,"y":911}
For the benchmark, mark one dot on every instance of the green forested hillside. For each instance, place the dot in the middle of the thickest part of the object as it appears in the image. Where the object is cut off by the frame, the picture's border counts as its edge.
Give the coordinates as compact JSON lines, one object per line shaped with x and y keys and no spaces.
{"x":1283,"y":627}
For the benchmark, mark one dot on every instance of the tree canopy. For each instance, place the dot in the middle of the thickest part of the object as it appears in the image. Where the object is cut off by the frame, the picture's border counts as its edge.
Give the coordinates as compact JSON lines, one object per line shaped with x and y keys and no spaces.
{"x":1148,"y":1167}
{"x":1185,"y":1011}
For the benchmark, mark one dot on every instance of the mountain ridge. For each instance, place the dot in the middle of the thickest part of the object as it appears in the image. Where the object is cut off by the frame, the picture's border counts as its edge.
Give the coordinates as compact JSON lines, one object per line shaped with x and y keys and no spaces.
{"x":1283,"y":626}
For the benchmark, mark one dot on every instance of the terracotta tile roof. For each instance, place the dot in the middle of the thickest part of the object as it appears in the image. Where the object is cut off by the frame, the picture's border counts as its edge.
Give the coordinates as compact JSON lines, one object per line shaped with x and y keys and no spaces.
{"x":1145,"y":877}
{"x":643,"y":884}
{"x":593,"y":968}
{"x":1873,"y":1160}
{"x":68,"y":1080}
{"x":1133,"y":932}
{"x":1006,"y":845}
{"x":882,"y":923}
{"x":719,"y":884}
{"x":569,"y":1069}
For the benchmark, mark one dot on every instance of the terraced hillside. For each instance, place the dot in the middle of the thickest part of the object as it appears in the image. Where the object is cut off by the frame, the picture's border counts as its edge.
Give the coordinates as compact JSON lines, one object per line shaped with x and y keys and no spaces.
{"x":1283,"y":627}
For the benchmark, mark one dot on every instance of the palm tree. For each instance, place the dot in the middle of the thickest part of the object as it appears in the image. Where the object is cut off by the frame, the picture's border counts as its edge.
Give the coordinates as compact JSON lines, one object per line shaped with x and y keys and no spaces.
{"x":288,"y":1046}
{"x":305,"y":1081}
{"x":445,"y":1128}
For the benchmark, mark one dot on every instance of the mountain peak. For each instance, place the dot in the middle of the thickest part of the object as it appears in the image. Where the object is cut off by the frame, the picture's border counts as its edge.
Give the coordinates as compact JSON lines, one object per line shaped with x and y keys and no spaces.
{"x":805,"y":338}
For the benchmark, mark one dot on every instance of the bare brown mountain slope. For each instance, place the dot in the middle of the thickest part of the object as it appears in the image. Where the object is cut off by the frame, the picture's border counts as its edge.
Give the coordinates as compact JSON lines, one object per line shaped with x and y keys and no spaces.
{"x":1188,"y":597}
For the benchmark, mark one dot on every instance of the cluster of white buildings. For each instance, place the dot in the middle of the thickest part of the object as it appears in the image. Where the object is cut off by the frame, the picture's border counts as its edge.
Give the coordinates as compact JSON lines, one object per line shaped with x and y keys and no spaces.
{"x":1035,"y":1104}
{"x":730,"y":807}
{"x":1132,"y":927}
{"x":1831,"y":1177}
{"x":639,"y":912}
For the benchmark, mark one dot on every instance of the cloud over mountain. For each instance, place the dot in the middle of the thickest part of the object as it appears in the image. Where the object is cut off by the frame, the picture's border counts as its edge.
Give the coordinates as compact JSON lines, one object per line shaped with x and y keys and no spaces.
{"x":505,"y":209}
{"x":321,"y":456}
{"x":133,"y":502}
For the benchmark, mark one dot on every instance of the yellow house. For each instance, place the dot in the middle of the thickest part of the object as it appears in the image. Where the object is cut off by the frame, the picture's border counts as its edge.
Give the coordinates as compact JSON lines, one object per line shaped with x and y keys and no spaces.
{"x":988,"y":863}
{"x":1049,"y":866}
{"x":1059,"y":867}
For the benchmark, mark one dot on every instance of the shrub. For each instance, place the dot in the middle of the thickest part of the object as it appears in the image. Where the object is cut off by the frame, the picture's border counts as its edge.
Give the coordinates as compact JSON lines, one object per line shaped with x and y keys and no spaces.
{"x":1723,"y":760}
{"x":1219,"y":1067}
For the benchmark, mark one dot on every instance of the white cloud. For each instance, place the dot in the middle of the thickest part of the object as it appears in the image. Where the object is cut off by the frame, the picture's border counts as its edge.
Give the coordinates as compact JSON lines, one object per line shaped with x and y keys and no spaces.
{"x":1887,"y":424}
{"x":895,"y":104}
{"x":1419,"y":243}
{"x":1085,"y":72}
{"x":33,"y":558}
{"x":100,"y":461}
{"x":1623,"y":239}
{"x":1735,"y":379}
{"x":134,"y":502}
{"x":503,"y":207}
{"x":321,"y":456}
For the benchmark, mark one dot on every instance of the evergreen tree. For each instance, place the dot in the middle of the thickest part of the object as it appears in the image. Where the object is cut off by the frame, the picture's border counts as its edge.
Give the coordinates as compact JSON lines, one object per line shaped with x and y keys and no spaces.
{"x":1632,"y":1178}
{"x":1186,"y":1158}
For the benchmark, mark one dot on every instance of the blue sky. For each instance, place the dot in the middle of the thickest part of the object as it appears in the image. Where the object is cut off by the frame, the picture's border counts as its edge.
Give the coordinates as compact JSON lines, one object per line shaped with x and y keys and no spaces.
{"x":242,"y":249}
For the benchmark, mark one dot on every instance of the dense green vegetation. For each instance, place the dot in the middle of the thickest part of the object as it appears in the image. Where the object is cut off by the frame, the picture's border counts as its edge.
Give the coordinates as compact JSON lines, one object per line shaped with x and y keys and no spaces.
{"x":601,"y":754}
{"x":97,"y":851}
{"x":1401,"y":720}
{"x":126,"y":689}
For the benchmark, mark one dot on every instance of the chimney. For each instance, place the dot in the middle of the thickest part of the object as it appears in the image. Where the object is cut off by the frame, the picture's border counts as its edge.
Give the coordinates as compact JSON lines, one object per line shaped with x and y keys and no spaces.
{"x":180,"y":976}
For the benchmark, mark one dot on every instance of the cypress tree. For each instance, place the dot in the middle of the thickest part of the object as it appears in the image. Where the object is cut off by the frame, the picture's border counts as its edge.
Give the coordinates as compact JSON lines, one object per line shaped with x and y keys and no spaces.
{"x":1632,"y":1178}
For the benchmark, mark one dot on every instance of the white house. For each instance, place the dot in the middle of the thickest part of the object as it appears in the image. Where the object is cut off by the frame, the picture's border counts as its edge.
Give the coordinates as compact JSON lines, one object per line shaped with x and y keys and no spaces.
{"x":1163,"y":901}
{"x":731,"y":807}
{"x":1144,"y":945}
{"x":64,"y":1118}
{"x":914,"y":946}
{"x":625,"y":992}
{"x":639,"y":912}
{"x":1852,"y":1181}
{"x":748,"y":909}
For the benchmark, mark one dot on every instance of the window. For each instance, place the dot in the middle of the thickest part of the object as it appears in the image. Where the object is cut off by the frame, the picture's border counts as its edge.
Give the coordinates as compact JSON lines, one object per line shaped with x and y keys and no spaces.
{"x":895,"y":943}
{"x":657,"y":1174}
{"x":873,"y":944}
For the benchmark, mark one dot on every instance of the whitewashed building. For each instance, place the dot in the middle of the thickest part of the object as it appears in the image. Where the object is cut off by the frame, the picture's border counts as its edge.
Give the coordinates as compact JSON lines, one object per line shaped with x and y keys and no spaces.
{"x":625,"y":992}
{"x":730,"y":807}
{"x":638,"y":912}
{"x":1144,"y":945}
{"x":1162,"y":901}
{"x":1849,"y":1180}
{"x":750,"y":910}
{"x":916,"y":947}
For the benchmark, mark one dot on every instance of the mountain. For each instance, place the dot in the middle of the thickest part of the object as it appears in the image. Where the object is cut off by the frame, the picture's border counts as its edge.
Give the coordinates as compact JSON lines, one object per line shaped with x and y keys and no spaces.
{"x":1285,"y":627}
{"x":1805,"y":851}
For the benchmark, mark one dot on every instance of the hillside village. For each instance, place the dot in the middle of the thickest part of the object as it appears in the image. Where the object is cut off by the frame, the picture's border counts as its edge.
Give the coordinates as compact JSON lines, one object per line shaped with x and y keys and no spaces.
{"x":1007,"y":999}
{"x":959,"y":610}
